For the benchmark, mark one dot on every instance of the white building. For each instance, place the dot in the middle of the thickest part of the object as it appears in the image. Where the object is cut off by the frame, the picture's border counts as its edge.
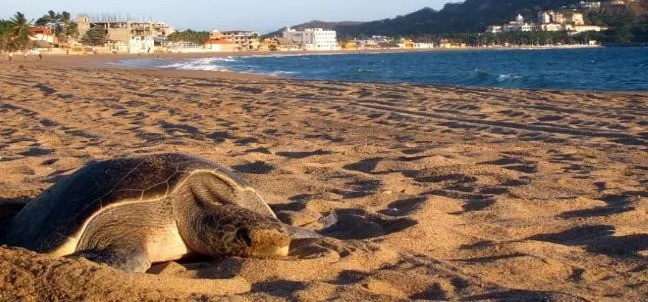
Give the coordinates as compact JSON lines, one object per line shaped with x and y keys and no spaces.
{"x":141,"y":44}
{"x":544,"y":17}
{"x":593,"y":5}
{"x":494,"y":29}
{"x":422,"y":45}
{"x":553,"y":27}
{"x":313,"y":38}
{"x":577,"y":19}
{"x":583,"y":28}
{"x":519,"y":20}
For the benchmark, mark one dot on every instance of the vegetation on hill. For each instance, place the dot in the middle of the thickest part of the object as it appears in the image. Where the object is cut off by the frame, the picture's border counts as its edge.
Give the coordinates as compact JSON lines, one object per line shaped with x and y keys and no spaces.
{"x":468,"y":16}
{"x":626,"y":25}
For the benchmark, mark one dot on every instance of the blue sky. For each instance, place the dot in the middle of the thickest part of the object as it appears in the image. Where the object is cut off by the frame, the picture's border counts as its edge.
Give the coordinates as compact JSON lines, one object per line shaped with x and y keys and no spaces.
{"x":259,"y":15}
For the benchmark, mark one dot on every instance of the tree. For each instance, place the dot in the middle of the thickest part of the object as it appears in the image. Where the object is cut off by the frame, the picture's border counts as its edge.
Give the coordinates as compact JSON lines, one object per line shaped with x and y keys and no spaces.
{"x":50,"y":18}
{"x":94,"y":37}
{"x":5,"y":25}
{"x":19,"y":32}
{"x":62,"y":23}
{"x":197,"y":37}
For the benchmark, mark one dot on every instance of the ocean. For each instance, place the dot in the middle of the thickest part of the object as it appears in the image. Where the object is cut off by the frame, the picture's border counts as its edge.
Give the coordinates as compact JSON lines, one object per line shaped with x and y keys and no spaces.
{"x":600,"y":68}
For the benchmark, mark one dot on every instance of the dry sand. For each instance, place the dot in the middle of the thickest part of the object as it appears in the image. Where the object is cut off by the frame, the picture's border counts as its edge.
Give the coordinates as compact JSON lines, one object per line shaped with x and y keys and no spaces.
{"x":441,"y":192}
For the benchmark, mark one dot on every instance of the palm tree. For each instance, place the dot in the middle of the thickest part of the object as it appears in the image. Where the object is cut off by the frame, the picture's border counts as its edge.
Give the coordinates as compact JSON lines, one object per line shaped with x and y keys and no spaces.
{"x":69,"y":28}
{"x":62,"y":23}
{"x":4,"y":33}
{"x":19,"y":32}
{"x":50,"y":18}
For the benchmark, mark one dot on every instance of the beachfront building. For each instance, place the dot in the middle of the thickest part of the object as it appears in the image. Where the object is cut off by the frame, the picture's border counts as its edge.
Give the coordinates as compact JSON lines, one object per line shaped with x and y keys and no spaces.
{"x":313,"y":39}
{"x":161,"y":29}
{"x":445,"y":43}
{"x":218,"y":42}
{"x":406,"y":43}
{"x":423,"y":45}
{"x":284,"y":44}
{"x":42,"y":34}
{"x":374,"y":42}
{"x":182,"y":47}
{"x":494,"y":29}
{"x":280,"y":44}
{"x":242,"y":39}
{"x":122,"y":35}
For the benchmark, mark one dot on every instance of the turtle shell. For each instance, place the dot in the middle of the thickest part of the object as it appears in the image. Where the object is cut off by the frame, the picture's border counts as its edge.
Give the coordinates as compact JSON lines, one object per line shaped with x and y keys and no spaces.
{"x":60,"y":213}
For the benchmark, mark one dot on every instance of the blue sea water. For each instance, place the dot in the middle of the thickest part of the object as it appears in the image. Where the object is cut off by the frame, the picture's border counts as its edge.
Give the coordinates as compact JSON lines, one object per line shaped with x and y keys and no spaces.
{"x":601,"y":68}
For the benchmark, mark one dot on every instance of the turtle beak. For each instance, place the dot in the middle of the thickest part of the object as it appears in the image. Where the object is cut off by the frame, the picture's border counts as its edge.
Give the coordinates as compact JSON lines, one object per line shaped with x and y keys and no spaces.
{"x":269,"y":243}
{"x":272,"y":251}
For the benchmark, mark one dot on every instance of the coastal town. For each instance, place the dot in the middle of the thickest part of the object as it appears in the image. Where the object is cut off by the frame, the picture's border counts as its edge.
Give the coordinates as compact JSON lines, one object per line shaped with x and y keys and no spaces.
{"x":113,"y":34}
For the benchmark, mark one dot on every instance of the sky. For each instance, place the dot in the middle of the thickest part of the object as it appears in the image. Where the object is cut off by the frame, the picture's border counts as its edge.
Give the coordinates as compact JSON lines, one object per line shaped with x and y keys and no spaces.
{"x":258,"y":15}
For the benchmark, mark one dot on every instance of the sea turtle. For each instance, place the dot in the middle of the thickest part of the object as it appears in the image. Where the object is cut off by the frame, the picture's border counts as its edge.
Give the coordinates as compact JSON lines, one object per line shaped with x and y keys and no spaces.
{"x":131,"y":212}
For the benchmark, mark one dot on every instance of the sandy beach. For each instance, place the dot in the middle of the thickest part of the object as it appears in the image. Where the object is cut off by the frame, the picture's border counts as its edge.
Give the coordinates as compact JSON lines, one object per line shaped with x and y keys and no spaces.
{"x":441,"y":193}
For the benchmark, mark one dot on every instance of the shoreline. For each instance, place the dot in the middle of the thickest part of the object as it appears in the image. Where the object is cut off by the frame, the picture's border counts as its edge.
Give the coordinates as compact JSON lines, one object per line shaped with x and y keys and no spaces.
{"x":107,"y":61}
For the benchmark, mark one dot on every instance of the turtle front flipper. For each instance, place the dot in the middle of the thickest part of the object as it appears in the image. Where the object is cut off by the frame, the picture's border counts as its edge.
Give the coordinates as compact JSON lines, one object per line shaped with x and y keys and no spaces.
{"x":120,"y":258}
{"x":301,"y":233}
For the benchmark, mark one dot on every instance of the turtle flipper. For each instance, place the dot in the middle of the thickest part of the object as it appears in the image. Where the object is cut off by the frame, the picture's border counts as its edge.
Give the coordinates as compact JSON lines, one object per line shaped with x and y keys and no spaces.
{"x":301,"y":233}
{"x":123,"y":259}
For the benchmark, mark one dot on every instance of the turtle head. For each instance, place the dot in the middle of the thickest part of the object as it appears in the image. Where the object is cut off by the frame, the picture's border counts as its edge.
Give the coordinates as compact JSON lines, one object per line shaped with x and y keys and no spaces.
{"x":234,"y":231}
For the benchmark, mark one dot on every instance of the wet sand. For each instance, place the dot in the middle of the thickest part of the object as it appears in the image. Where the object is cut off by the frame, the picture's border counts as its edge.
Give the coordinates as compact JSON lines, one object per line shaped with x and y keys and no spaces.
{"x":440,"y":192}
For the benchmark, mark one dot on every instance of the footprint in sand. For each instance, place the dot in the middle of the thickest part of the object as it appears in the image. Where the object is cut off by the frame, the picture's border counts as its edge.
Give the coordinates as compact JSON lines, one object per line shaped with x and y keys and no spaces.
{"x":365,"y":165}
{"x":257,"y":167}
{"x":403,"y":207}
{"x":36,"y":151}
{"x":359,"y":188}
{"x":360,"y":224}
{"x":515,"y":164}
{"x":616,"y":204}
{"x":303,"y":154}
{"x":599,"y":239}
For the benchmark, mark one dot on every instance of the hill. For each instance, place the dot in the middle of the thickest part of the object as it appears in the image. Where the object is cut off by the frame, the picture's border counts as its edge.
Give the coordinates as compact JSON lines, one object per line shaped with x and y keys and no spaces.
{"x":468,"y":16}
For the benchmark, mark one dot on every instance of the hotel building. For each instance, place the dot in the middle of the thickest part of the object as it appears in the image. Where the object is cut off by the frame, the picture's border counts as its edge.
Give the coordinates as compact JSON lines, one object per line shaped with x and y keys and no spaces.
{"x":317,"y":39}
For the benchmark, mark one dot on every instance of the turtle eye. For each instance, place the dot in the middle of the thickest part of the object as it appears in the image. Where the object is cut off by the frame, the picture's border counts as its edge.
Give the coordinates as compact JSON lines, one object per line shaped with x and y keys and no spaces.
{"x":243,"y":236}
